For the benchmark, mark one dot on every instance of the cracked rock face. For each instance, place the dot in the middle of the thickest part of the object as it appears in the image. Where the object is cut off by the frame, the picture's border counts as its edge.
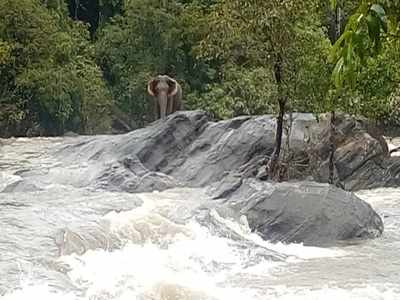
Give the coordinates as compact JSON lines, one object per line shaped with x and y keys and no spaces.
{"x":362,"y":158}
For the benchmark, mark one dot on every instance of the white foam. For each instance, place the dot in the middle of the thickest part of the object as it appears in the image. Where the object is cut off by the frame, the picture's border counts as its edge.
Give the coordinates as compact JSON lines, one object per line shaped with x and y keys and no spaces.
{"x":297,"y":250}
{"x":381,"y":196}
{"x":7,"y":179}
{"x":166,"y":260}
{"x":190,"y":261}
{"x":144,"y":271}
{"x":42,"y":292}
{"x":331,"y":293}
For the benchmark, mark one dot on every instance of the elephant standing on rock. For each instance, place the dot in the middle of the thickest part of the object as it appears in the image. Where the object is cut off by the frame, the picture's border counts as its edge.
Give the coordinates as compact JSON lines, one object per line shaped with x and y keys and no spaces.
{"x":167,"y":94}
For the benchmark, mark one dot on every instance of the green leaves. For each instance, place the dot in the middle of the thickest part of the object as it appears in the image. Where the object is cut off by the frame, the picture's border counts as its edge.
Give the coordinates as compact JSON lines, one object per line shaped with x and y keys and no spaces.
{"x":379,"y":11}
{"x":243,"y":91}
{"x":366,"y":61}
{"x":151,"y":38}
{"x":337,"y":73}
{"x":44,"y":58}
{"x":222,"y":52}
{"x":362,"y":37}
{"x":333,"y":4}
{"x":5,"y":53}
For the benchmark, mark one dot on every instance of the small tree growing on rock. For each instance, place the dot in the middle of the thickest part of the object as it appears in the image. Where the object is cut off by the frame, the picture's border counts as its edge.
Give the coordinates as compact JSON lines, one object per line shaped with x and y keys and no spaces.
{"x":267,"y":34}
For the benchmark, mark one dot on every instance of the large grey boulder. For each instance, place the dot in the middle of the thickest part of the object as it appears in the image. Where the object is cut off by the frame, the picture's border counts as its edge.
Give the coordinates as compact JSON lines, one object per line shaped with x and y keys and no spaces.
{"x":187,"y":147}
{"x":307,"y":212}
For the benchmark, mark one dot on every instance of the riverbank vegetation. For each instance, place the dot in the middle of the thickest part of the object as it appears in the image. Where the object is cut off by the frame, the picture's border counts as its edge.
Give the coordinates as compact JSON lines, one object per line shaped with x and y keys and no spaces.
{"x":83,"y":65}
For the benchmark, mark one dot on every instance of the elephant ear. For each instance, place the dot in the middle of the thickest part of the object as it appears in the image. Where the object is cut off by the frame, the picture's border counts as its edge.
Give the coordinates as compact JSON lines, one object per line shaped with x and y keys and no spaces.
{"x":173,"y":86}
{"x":151,"y":87}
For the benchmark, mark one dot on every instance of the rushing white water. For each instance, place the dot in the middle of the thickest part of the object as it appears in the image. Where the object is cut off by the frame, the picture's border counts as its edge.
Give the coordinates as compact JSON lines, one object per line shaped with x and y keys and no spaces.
{"x":62,"y":240}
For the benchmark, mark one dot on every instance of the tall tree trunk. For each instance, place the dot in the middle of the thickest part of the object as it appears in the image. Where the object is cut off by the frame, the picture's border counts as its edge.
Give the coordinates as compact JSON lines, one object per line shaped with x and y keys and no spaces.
{"x":272,"y":167}
{"x":77,"y":4}
{"x":332,"y":147}
{"x":332,"y":126}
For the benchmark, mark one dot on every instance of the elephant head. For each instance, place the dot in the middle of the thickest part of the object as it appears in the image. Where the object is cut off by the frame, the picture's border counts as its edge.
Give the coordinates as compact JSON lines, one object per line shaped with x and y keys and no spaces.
{"x":164,"y":89}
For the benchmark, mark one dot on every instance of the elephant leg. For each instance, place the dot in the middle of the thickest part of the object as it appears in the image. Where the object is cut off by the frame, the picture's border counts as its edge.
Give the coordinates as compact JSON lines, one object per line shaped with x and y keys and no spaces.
{"x":170,"y":106}
{"x":178,"y":104}
{"x":178,"y":100}
{"x":156,"y":111}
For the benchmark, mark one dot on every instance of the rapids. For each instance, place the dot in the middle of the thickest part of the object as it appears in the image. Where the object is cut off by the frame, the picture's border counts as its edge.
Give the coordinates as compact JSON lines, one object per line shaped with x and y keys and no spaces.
{"x":63,"y":239}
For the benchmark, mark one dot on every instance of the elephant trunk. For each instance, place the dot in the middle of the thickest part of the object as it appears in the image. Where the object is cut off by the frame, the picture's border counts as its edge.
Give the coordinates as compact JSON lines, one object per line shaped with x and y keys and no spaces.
{"x":163,"y":103}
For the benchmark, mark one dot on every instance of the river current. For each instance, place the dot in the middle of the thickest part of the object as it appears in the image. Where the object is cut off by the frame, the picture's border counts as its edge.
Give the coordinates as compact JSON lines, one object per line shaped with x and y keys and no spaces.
{"x":61,"y":238}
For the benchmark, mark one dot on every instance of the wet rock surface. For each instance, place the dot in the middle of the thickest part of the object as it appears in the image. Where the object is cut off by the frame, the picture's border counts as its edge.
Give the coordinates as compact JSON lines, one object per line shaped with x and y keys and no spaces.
{"x":307,"y":212}
{"x":193,"y":151}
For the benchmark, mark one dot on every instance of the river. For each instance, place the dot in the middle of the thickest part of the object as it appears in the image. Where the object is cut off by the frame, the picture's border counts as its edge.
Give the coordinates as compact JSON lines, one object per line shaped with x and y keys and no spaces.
{"x":61,"y":238}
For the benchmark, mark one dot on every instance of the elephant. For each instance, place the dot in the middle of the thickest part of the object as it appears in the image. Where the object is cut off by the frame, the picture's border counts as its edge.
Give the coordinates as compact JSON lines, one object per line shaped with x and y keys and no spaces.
{"x":167,"y":93}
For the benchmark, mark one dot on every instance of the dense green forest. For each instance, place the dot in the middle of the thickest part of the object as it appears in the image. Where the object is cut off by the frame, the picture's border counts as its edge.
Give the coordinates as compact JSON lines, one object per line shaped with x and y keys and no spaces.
{"x":83,"y":65}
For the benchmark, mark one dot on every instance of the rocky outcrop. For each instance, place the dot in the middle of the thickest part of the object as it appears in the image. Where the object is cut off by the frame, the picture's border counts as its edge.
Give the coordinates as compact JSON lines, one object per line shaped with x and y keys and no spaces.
{"x":307,"y":212}
{"x":187,"y":148}
{"x":362,"y":157}
{"x":228,"y":157}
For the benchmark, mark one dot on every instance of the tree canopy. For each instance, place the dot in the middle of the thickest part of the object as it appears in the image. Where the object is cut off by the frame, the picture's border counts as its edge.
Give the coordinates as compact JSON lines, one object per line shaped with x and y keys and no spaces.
{"x":78,"y":65}
{"x":48,"y":74}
